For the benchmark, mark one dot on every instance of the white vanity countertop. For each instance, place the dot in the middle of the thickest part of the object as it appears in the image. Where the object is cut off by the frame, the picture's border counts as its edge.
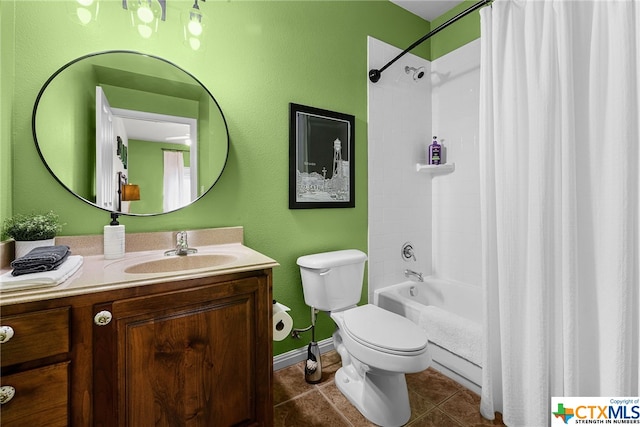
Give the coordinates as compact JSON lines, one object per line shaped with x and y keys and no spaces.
{"x":98,"y":274}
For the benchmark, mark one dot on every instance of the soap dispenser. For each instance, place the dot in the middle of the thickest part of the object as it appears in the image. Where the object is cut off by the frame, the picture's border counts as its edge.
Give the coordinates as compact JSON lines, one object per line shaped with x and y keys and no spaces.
{"x":435,"y":151}
{"x":114,"y":239}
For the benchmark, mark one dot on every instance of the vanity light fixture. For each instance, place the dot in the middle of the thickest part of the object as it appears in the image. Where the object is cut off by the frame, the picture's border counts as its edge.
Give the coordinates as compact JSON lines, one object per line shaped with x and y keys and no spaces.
{"x":145,"y":15}
{"x":126,"y":192}
{"x":130,"y":192}
{"x":193,"y":25}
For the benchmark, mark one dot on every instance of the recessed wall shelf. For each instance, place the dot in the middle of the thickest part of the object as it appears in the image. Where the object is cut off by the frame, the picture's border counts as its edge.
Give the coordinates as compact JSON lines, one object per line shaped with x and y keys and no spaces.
{"x":436,"y":169}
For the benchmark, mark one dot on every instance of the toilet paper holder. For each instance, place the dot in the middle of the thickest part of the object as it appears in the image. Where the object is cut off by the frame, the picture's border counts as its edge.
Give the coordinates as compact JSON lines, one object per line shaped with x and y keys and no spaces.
{"x":282,"y":322}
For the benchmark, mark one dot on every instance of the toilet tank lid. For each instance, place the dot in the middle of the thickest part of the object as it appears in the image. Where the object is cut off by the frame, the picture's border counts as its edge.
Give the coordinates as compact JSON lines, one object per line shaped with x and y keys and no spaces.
{"x":332,"y":259}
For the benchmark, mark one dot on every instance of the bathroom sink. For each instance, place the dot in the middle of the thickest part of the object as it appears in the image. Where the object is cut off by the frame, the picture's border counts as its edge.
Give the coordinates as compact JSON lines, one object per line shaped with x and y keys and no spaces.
{"x":180,"y":263}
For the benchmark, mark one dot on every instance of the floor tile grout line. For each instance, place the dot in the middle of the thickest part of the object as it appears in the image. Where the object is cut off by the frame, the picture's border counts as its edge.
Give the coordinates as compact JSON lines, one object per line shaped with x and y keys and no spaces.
{"x":334,"y":406}
{"x":295,"y":397}
{"x":446,"y":399}
{"x":436,"y":403}
{"x":452,"y":416}
{"x":435,"y":408}
{"x":313,"y":386}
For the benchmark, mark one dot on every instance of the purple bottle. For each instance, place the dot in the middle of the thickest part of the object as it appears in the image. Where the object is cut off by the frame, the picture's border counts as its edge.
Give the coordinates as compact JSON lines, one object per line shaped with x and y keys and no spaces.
{"x":434,"y":152}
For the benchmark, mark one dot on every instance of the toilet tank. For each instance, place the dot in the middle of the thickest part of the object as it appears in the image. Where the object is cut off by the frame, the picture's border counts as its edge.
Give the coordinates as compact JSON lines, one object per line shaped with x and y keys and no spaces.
{"x":332,"y":281}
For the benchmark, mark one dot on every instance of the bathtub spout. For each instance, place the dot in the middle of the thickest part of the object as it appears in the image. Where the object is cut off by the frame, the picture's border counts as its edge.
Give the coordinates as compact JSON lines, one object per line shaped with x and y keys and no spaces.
{"x":408,"y":273}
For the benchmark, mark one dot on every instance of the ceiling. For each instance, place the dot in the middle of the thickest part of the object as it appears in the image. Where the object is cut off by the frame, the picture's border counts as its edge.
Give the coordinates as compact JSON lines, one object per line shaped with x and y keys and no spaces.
{"x":158,"y":131}
{"x":427,"y":9}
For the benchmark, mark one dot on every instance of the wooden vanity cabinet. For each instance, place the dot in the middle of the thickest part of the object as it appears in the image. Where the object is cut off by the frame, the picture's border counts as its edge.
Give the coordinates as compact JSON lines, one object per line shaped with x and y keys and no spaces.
{"x":195,"y":352}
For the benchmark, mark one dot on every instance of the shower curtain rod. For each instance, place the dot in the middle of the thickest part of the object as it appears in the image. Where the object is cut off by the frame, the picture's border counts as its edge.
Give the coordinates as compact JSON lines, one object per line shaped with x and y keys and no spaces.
{"x":374,"y":74}
{"x":173,"y":150}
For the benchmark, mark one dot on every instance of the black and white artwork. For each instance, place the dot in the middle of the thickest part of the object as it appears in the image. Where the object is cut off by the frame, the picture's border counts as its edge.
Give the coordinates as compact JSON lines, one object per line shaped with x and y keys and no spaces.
{"x":321,"y":158}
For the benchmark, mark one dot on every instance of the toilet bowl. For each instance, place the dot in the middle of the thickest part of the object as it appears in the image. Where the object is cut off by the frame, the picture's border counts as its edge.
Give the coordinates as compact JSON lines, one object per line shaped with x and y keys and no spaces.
{"x":377,"y":347}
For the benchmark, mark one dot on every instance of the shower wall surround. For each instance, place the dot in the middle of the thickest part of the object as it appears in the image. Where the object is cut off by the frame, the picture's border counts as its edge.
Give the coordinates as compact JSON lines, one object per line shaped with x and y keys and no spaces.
{"x":399,"y":132}
{"x":455,"y":81}
{"x":439,"y":215}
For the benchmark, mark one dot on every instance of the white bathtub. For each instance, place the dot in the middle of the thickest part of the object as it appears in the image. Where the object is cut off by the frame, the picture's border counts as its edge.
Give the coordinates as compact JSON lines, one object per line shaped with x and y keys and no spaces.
{"x":451,"y":313}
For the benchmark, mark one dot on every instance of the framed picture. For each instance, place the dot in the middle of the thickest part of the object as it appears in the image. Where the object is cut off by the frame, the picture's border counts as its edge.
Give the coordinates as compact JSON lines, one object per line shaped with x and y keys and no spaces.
{"x":321,"y":158}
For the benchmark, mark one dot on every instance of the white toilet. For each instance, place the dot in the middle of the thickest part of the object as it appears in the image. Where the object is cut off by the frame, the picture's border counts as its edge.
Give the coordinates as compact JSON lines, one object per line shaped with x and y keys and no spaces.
{"x":377,"y":347}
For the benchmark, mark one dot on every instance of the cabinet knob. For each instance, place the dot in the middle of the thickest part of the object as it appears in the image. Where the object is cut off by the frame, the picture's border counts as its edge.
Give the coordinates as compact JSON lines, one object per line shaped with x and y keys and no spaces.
{"x":6,"y":333}
{"x":6,"y":394}
{"x":102,"y":318}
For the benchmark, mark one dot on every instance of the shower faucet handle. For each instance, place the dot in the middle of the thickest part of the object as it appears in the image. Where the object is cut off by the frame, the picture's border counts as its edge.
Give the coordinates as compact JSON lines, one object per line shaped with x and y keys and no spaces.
{"x":407,"y":252}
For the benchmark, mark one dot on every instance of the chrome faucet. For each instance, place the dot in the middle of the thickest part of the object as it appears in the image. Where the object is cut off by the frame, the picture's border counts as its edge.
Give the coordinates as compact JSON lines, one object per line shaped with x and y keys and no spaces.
{"x":182,"y":245}
{"x":408,"y":273}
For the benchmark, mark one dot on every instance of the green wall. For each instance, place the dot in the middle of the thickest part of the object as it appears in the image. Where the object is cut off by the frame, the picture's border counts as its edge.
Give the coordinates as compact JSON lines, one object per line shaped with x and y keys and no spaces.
{"x":6,"y":108}
{"x":259,"y":56}
{"x":456,"y":35}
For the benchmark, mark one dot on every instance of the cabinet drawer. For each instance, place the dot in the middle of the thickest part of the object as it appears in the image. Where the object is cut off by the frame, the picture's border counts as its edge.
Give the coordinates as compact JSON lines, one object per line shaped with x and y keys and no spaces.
{"x":41,"y":397}
{"x":35,"y":335}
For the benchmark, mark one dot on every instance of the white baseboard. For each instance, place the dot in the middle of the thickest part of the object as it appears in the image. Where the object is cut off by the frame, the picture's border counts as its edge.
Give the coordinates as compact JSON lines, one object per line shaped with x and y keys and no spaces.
{"x":299,"y":354}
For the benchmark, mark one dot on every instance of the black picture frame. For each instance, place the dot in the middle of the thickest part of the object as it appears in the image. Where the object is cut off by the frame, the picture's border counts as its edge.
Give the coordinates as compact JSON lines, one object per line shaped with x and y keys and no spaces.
{"x":321,"y":158}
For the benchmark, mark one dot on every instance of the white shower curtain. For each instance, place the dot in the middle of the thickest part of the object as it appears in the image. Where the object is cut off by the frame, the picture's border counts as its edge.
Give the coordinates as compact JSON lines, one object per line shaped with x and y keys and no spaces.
{"x":559,"y":197}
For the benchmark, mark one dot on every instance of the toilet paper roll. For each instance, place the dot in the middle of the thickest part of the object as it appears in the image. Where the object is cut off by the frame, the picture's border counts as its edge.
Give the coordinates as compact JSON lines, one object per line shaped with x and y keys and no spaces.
{"x":282,"y":325}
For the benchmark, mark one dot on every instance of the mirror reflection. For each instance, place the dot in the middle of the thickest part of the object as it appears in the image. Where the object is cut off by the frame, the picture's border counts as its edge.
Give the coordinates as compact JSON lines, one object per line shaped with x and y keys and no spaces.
{"x":116,"y":123}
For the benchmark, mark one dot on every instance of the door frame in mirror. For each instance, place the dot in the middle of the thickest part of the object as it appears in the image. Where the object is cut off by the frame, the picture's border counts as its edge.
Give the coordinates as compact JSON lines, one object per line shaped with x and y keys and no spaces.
{"x":193,"y":132}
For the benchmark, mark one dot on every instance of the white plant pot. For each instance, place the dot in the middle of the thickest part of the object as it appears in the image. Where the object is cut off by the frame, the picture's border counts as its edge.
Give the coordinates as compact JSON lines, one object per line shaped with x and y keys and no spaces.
{"x":24,"y":247}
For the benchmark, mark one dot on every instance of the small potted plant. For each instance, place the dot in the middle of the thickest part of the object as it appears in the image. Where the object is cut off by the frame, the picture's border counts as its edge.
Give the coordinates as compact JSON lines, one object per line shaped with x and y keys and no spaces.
{"x":31,"y":231}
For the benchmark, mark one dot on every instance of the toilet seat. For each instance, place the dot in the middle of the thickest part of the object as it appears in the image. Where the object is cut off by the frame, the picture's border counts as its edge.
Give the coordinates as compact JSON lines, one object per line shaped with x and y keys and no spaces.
{"x":384,"y":331}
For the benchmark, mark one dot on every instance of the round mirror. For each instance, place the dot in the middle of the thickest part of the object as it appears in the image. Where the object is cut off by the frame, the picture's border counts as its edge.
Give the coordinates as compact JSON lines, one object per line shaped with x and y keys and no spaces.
{"x":130,"y":132}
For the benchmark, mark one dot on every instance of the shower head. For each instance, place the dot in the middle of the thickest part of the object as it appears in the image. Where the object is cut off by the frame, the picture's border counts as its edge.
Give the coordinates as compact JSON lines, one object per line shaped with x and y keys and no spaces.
{"x":418,"y":73}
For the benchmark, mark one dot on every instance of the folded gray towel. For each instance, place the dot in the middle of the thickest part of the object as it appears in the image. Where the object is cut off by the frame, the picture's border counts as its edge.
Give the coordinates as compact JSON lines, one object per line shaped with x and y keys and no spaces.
{"x":39,"y":268}
{"x":43,"y":255}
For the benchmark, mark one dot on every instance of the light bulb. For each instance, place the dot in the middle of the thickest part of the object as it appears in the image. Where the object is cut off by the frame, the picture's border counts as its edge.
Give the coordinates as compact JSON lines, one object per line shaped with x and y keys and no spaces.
{"x":194,"y":27}
{"x":84,"y":15}
{"x":145,"y":31}
{"x":194,"y":43}
{"x":145,"y":14}
{"x":85,"y":3}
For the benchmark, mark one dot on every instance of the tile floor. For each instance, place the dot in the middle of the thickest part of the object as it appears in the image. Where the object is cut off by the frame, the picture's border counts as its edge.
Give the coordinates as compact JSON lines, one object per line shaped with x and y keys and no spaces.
{"x":436,"y":401}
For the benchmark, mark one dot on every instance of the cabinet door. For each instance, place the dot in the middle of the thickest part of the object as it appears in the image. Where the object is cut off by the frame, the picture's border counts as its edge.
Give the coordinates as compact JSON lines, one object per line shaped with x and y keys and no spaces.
{"x":184,"y":358}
